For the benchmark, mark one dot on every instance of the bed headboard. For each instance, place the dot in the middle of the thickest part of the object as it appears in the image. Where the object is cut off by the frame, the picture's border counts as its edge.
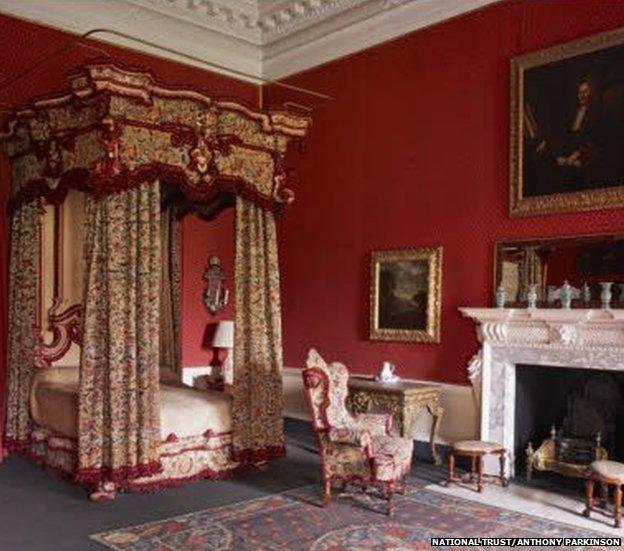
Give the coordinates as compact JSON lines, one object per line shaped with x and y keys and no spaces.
{"x":66,"y":327}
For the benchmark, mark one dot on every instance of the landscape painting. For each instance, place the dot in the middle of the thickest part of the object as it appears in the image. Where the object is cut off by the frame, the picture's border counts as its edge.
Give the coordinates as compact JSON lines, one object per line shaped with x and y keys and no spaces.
{"x":405,"y":295}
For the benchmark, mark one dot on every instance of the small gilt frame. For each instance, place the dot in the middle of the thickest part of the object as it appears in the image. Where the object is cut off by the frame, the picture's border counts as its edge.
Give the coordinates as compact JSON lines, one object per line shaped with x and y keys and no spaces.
{"x":597,"y":196}
{"x":425,"y":263}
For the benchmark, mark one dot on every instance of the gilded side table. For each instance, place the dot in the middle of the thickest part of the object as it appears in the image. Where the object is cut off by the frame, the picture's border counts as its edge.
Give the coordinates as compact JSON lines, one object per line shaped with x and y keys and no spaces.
{"x":403,"y":400}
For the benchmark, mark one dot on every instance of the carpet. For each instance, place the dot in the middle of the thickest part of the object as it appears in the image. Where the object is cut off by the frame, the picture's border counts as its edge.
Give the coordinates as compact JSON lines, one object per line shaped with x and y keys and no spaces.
{"x":294,"y":520}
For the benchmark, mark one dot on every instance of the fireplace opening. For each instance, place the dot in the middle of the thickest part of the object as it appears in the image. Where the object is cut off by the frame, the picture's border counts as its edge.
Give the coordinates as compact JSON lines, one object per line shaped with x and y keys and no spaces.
{"x":565,"y":418}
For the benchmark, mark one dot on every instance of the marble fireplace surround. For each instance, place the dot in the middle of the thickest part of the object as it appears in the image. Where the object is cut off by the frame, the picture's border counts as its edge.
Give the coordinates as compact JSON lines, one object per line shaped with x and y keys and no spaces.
{"x":580,"y":338}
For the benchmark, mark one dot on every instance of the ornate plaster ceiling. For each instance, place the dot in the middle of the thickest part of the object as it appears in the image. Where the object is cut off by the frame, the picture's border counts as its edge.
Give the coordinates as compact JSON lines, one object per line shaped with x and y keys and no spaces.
{"x":263,"y":38}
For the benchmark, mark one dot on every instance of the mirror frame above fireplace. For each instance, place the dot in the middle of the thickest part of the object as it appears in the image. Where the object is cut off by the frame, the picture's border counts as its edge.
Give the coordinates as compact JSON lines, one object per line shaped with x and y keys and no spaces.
{"x":549,"y":261}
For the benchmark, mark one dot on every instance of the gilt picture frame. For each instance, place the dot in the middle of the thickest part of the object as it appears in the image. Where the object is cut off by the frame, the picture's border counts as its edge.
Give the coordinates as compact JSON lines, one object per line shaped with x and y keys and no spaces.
{"x":406,"y":295}
{"x":567,"y":127}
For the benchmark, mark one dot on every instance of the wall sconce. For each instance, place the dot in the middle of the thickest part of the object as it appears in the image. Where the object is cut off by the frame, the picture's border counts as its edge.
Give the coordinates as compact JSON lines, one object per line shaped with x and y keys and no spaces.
{"x":215,"y":294}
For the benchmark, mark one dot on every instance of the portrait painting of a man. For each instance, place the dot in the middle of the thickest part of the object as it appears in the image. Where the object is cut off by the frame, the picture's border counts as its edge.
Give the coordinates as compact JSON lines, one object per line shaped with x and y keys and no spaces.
{"x":568,"y":127}
{"x":405,"y":288}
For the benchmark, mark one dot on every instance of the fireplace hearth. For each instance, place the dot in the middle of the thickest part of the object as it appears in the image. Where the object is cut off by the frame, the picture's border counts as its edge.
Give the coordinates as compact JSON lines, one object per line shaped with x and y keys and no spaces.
{"x":566,"y":418}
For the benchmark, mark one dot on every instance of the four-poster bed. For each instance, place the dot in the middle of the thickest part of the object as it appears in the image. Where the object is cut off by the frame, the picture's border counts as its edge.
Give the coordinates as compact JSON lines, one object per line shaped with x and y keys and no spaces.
{"x":106,"y":418}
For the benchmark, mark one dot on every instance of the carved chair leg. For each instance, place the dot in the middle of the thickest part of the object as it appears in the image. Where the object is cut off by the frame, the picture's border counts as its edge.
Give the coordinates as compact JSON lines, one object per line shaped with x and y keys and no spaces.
{"x":589,"y":497}
{"x":451,"y":467}
{"x":529,"y":468}
{"x":503,"y":479}
{"x":400,"y":489}
{"x":326,"y":491}
{"x":604,"y":495}
{"x":480,"y":474}
{"x":341,"y":486}
{"x":390,"y":491}
{"x":436,"y":411}
{"x":618,"y":505}
{"x":473,"y":468}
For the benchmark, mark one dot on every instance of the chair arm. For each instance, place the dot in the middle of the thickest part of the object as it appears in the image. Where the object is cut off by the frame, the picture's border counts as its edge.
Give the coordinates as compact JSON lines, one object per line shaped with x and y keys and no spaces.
{"x":378,"y":424}
{"x":351,"y":436}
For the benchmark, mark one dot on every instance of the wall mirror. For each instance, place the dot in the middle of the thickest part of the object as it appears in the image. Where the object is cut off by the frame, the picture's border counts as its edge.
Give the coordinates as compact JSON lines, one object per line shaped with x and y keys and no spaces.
{"x":580,"y":260}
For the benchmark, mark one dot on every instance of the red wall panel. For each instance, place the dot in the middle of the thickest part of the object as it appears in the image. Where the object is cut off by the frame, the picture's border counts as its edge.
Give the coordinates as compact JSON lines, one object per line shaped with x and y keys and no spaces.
{"x":413,"y":151}
{"x":25,"y":43}
{"x":201,"y":240}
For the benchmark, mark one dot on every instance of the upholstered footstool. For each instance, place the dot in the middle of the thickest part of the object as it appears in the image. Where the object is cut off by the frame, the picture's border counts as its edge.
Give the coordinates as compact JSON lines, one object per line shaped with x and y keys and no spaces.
{"x":607,"y":473}
{"x":476,"y":450}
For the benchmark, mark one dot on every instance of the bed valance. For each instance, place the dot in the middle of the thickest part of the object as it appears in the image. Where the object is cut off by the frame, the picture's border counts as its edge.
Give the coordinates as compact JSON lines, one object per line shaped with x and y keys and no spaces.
{"x":116,"y":129}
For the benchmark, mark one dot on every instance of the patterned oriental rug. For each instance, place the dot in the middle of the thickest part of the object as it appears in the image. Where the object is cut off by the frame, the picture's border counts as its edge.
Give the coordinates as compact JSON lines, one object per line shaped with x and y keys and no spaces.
{"x":295,"y":521}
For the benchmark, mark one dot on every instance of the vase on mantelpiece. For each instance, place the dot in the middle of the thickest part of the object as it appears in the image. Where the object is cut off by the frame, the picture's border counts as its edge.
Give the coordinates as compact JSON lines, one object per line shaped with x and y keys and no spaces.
{"x":605,"y":294}
{"x":566,"y":295}
{"x":532,"y":296}
{"x":500,"y":297}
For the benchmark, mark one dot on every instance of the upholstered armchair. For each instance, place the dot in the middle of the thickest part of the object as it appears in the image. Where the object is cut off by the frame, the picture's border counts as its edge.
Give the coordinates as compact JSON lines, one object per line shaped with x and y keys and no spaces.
{"x":354,"y":449}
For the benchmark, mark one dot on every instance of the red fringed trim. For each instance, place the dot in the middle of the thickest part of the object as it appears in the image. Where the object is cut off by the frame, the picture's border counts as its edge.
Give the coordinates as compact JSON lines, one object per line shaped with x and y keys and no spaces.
{"x":94,"y":476}
{"x":206,"y":474}
{"x":250,"y":456}
{"x":17,"y":446}
{"x":101,"y":185}
{"x":200,"y":448}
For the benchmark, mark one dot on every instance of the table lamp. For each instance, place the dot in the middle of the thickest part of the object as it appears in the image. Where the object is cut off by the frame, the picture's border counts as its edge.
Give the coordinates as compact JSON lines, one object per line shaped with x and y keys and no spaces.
{"x":224,"y":338}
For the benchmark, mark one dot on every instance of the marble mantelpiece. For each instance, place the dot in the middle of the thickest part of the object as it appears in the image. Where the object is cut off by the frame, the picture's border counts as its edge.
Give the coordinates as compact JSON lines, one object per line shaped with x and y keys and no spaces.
{"x":581,"y":338}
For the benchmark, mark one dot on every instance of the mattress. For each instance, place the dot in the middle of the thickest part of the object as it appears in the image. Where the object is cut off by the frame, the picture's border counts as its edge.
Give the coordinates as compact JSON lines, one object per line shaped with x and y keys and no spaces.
{"x":184,"y":411}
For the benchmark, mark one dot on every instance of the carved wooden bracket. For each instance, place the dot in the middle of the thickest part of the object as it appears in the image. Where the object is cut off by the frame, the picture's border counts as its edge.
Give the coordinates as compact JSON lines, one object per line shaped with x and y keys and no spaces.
{"x":66,"y":327}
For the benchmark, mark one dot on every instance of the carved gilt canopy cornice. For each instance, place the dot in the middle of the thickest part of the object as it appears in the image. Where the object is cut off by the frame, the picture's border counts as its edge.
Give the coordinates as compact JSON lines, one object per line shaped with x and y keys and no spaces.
{"x":117,"y":128}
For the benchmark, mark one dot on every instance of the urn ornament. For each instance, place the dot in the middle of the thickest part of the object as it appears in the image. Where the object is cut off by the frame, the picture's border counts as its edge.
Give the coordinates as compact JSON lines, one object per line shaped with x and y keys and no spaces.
{"x":532,"y":296}
{"x":566,"y":295}
{"x":500,"y":297}
{"x":605,"y":294}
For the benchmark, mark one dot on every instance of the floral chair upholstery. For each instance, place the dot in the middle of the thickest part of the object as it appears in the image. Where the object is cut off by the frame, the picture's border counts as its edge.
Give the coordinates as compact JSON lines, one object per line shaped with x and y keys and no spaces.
{"x":354,"y":449}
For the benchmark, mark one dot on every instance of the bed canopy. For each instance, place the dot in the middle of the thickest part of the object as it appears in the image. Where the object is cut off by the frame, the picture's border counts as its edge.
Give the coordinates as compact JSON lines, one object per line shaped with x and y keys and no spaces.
{"x":117,"y":136}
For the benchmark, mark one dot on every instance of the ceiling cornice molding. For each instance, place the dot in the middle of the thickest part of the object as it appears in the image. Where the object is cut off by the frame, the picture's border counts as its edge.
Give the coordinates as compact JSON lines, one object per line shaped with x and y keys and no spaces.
{"x":262,"y":38}
{"x":343,"y":35}
{"x":80,"y":16}
{"x":257,"y":22}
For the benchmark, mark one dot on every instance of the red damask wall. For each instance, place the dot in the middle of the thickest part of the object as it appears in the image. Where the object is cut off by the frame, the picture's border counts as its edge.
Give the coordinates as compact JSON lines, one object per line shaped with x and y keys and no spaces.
{"x":413,"y":152}
{"x":200,"y":240}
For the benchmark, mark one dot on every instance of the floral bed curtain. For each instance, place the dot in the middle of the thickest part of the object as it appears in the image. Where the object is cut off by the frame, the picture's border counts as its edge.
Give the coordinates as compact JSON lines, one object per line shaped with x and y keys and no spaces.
{"x":23,"y":330}
{"x":170,"y":292}
{"x":119,"y":415}
{"x":257,"y":391}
